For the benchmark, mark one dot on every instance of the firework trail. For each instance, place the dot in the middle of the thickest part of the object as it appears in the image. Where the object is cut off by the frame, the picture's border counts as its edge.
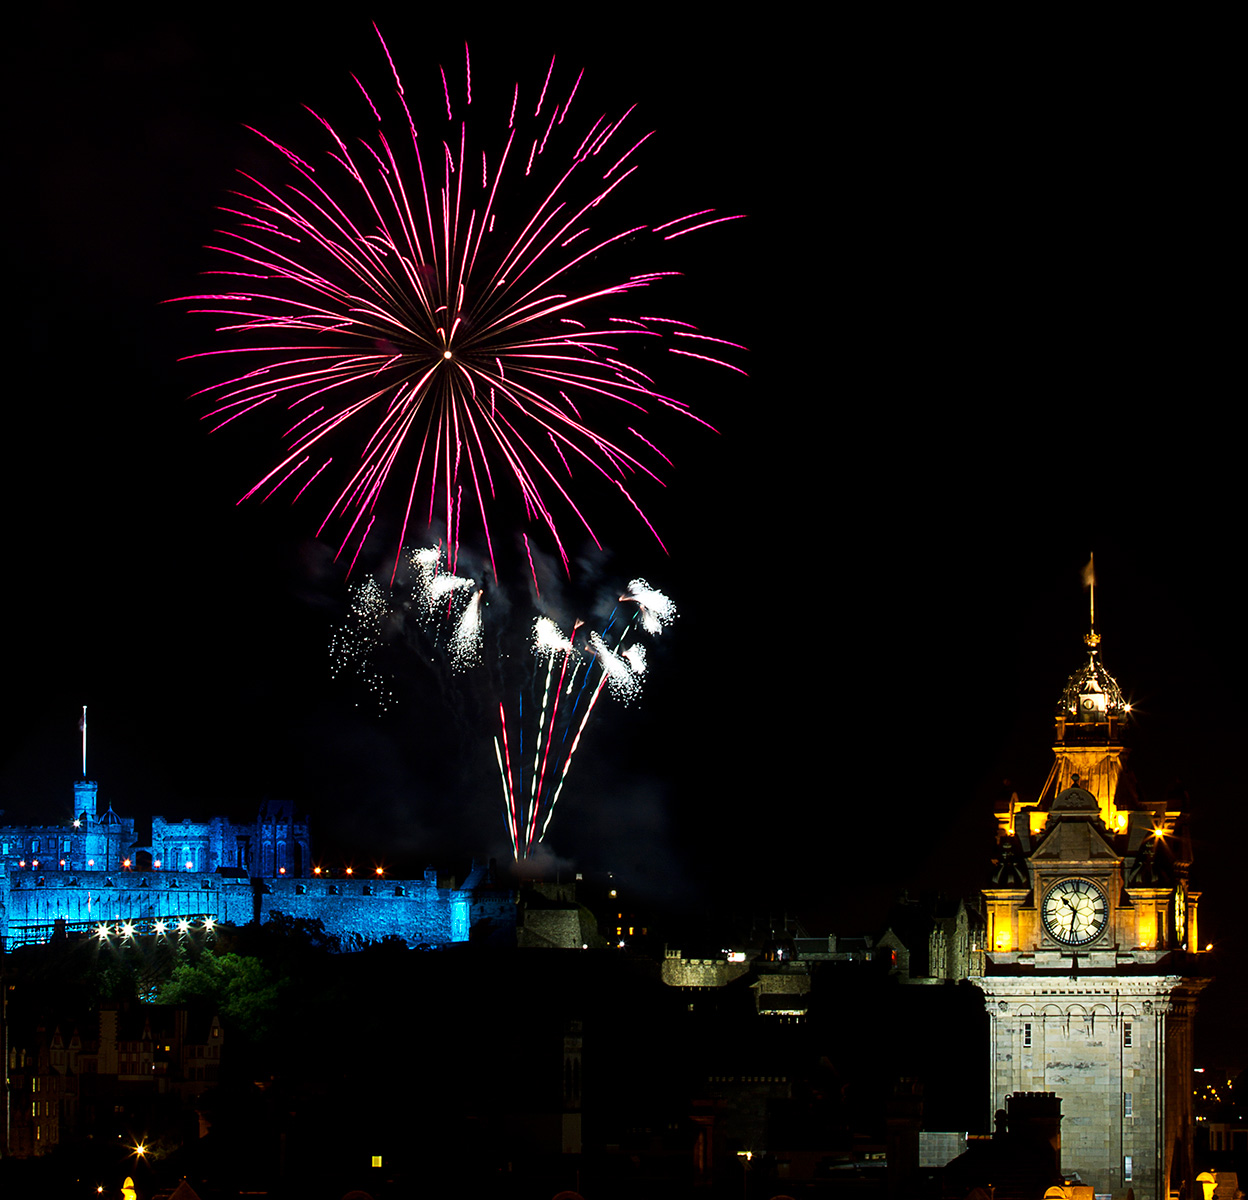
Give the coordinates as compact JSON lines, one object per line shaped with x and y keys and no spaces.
{"x":433,"y":317}
{"x":573,"y":679}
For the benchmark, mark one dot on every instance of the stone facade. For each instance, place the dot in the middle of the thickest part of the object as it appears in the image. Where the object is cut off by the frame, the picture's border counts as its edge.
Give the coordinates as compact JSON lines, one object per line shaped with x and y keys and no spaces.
{"x":1113,"y":1050}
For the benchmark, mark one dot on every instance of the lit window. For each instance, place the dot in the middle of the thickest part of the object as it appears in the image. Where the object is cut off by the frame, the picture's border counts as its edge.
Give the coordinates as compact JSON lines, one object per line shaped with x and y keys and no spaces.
{"x":376,"y":1160}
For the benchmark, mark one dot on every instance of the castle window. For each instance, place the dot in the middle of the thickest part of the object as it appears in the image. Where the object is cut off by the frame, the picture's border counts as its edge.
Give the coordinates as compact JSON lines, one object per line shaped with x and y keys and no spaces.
{"x":1027,"y":1034}
{"x":1126,"y":1169}
{"x":1127,"y":1034}
{"x":1128,"y":1108}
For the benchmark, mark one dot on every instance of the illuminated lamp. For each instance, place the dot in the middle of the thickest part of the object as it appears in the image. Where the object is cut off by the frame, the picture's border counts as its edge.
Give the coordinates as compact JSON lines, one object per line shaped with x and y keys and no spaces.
{"x":125,"y":862}
{"x":160,"y":927}
{"x":281,"y":870}
{"x":101,"y":931}
{"x":316,"y":870}
{"x":90,"y":862}
{"x":350,"y":870}
{"x":156,"y":864}
{"x":380,"y":871}
{"x":190,"y":866}
{"x":127,"y":930}
{"x":183,"y":925}
{"x":34,"y":863}
{"x":62,"y":862}
{"x":209,"y":922}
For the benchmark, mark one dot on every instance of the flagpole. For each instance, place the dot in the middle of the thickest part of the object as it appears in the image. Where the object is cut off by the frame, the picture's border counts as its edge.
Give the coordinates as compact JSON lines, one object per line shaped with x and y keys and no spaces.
{"x":1092,"y":588}
{"x":83,"y":725}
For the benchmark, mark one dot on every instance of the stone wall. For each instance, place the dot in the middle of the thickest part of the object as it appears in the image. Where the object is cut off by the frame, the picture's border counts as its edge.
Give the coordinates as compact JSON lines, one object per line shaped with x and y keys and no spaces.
{"x":416,"y":910}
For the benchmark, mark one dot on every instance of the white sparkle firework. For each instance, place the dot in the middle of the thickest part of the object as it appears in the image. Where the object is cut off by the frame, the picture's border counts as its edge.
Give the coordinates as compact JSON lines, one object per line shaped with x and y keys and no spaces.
{"x":444,"y":584}
{"x":466,"y":643}
{"x":657,"y":610}
{"x":425,"y":565}
{"x":548,"y":640}
{"x":351,"y":646}
{"x":636,"y":658}
{"x":623,"y":680}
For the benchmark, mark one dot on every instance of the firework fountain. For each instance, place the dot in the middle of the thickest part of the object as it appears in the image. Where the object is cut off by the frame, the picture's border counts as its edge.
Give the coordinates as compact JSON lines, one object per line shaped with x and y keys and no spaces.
{"x":560,"y":707}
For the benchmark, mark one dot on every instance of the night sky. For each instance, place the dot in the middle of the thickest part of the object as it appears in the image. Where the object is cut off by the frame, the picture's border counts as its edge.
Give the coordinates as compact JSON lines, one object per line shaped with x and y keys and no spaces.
{"x":985,"y":304}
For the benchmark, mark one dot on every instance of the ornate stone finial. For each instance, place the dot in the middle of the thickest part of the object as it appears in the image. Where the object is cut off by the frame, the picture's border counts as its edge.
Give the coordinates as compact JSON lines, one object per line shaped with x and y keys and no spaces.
{"x":1091,"y":639}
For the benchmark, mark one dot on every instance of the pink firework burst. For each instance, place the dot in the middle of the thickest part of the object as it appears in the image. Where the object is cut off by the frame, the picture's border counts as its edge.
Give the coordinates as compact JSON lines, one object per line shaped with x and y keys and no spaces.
{"x":390,"y":288}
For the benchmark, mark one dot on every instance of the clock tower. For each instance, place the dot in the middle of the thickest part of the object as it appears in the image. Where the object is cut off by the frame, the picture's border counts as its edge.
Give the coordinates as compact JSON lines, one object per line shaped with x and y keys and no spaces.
{"x":1093,"y":967}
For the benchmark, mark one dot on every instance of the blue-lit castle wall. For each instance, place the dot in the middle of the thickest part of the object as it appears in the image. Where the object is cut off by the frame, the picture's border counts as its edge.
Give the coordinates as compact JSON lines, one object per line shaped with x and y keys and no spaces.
{"x":89,"y":870}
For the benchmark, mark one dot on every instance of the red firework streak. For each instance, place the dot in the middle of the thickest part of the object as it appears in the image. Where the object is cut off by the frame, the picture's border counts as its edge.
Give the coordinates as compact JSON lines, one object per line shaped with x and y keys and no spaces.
{"x":373,"y":291}
{"x":527,"y":824}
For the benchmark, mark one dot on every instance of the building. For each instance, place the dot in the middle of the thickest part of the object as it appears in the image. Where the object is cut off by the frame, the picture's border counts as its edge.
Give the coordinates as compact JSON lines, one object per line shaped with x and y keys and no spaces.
{"x":1093,"y":964}
{"x":88,"y":874}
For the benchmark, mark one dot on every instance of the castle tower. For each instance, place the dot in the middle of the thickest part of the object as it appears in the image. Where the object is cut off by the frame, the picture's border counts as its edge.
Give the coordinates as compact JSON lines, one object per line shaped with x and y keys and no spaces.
{"x":1093,"y":965}
{"x":86,"y":792}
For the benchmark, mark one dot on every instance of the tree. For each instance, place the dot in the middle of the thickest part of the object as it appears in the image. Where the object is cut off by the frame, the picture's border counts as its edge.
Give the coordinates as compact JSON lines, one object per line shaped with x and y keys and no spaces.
{"x":240,"y":989}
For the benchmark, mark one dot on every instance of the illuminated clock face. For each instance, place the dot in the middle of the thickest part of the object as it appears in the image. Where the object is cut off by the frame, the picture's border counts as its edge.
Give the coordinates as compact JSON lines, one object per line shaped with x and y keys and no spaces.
{"x":1075,"y":911}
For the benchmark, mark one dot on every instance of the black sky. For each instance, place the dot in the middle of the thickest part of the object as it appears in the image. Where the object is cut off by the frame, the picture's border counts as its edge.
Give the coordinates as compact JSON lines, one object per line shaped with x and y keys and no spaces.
{"x":983,"y":285}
